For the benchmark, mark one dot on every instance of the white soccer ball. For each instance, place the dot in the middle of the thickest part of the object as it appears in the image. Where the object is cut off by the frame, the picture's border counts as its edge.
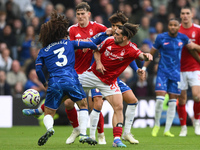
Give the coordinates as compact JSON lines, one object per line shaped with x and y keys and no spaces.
{"x":31,"y":97}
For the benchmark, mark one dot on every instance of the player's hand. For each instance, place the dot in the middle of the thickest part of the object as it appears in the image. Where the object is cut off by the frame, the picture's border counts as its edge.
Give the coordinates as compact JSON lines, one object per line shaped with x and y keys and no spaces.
{"x":141,"y":74}
{"x":147,"y":57}
{"x":109,"y":31}
{"x":100,"y":68}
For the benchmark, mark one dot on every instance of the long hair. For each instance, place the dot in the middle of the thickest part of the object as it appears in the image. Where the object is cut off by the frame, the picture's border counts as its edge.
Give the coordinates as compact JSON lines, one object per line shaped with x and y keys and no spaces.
{"x":129,"y":29}
{"x":54,"y":30}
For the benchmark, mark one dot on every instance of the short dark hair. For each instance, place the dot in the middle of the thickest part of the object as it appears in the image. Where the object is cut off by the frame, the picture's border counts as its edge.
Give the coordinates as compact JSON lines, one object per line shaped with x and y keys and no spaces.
{"x":129,"y":29}
{"x":175,"y":19}
{"x":84,"y":6}
{"x":186,"y":7}
{"x":118,"y":17}
{"x":54,"y":30}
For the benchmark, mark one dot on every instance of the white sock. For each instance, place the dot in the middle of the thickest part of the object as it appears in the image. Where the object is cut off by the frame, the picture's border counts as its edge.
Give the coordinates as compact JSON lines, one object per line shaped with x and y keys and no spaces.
{"x":94,"y":118}
{"x":158,"y":109}
{"x":48,"y":122}
{"x":170,"y":114}
{"x":129,"y":117}
{"x":83,"y":121}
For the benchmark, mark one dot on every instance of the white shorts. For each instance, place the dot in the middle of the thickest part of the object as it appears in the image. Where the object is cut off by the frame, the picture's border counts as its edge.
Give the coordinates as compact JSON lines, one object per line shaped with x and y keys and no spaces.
{"x":189,"y":77}
{"x":90,"y":81}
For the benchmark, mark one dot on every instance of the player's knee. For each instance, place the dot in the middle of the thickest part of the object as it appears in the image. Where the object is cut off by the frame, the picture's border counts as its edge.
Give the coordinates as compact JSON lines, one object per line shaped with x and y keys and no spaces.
{"x":69,"y":104}
{"x":118,"y":108}
{"x":196,"y":98}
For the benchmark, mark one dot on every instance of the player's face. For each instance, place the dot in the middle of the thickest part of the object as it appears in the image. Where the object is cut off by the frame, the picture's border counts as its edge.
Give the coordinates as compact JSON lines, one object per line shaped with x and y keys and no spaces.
{"x":115,"y":26}
{"x":186,"y":16}
{"x":83,"y":16}
{"x":118,"y":37}
{"x":173,"y":27}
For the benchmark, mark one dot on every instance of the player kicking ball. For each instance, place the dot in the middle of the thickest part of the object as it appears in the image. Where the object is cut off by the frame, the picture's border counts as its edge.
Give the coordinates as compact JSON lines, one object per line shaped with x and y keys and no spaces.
{"x":59,"y":58}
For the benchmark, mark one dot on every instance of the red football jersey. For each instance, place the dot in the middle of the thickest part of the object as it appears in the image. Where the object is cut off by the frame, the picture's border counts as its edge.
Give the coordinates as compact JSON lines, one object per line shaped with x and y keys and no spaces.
{"x":83,"y":60}
{"x":188,"y":63}
{"x":115,"y":59}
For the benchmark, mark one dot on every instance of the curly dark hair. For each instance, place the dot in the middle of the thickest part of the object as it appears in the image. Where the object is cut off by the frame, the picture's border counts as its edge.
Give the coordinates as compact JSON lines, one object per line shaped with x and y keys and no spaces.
{"x":54,"y":30}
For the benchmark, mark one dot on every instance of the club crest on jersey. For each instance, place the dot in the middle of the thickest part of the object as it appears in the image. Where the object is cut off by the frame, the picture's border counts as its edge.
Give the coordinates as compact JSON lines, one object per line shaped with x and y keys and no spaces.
{"x":166,"y":43}
{"x":193,"y":34}
{"x":78,"y":35}
{"x":180,"y":43}
{"x":122,"y":52}
{"x":91,"y":32}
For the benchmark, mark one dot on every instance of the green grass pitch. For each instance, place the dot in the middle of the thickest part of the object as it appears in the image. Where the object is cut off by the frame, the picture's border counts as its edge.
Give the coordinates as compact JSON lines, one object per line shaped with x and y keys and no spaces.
{"x":26,"y":137}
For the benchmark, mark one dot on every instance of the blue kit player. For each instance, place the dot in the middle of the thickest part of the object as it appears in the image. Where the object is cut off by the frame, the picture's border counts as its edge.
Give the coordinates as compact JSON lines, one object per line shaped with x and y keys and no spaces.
{"x":170,"y":46}
{"x":59,"y":57}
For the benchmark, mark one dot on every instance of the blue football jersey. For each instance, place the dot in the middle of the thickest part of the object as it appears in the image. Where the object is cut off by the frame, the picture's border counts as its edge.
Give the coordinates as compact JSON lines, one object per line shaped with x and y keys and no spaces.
{"x":59,"y":58}
{"x":170,"y":49}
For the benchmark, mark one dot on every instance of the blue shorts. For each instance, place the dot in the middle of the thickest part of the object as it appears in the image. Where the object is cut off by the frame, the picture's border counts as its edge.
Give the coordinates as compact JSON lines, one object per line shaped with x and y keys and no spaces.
{"x":163,"y":83}
{"x":123,"y":87}
{"x":59,"y":87}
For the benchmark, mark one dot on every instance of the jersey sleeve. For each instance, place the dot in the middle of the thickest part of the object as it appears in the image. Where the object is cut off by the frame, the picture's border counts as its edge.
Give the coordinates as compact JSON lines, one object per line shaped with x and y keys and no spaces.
{"x":98,"y":38}
{"x":102,"y":46}
{"x":83,"y":44}
{"x":38,"y":66}
{"x":133,"y":65}
{"x":157,"y":43}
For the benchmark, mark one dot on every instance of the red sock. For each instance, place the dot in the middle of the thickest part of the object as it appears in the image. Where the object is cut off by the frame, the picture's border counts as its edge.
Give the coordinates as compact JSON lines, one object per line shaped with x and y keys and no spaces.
{"x":72,"y":116}
{"x":100,"y":126}
{"x":196,"y":108}
{"x":182,"y":114}
{"x":42,"y":107}
{"x":117,"y":131}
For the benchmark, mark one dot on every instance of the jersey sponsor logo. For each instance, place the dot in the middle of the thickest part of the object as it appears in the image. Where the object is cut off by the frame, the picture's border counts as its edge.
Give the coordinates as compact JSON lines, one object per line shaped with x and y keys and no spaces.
{"x":112,"y":56}
{"x":180,"y":43}
{"x":78,"y":35}
{"x":91,"y":32}
{"x":166,"y":43}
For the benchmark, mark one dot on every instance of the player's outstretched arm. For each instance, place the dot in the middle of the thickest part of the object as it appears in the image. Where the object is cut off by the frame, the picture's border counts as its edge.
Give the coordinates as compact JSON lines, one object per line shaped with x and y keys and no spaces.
{"x":146,"y":56}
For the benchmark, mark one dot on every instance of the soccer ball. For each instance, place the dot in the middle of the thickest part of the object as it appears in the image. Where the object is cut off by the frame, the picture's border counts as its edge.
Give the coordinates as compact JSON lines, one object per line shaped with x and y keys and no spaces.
{"x":31,"y":97}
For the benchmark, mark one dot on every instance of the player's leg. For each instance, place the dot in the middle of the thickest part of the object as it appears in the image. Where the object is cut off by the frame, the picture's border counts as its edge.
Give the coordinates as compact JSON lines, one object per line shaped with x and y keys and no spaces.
{"x":83,"y":121}
{"x":54,"y":91}
{"x":96,"y":117}
{"x":182,"y":102}
{"x":34,"y":112}
{"x":117,"y":104}
{"x":160,"y":90}
{"x":132,"y":102}
{"x":196,"y":108}
{"x":48,"y":122}
{"x":73,"y":118}
{"x":170,"y":114}
{"x":182,"y":112}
